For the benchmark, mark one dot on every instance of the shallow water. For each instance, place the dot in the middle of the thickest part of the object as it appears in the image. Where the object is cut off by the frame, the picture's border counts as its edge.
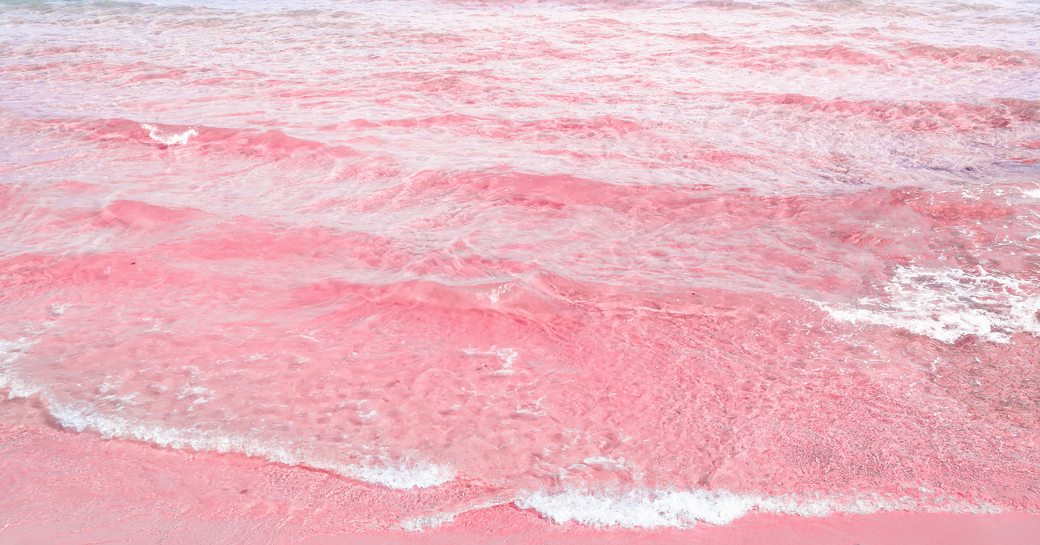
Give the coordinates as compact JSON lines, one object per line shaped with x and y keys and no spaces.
{"x":641,"y":264}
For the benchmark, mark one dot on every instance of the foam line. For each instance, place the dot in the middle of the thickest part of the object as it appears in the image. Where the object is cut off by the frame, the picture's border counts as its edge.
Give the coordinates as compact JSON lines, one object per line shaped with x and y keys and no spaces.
{"x":683,"y":509}
{"x":406,"y":473}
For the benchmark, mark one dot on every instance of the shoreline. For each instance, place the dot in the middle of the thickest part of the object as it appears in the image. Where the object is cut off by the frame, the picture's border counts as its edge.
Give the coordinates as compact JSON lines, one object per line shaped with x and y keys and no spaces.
{"x":118,"y":489}
{"x":896,"y":528}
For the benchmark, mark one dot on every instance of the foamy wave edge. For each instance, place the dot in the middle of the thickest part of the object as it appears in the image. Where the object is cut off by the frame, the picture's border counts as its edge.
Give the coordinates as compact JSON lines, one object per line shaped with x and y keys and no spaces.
{"x":947,"y":304}
{"x":657,"y":508}
{"x":634,"y":508}
{"x":176,"y":139}
{"x":683,"y":509}
{"x":406,"y":473}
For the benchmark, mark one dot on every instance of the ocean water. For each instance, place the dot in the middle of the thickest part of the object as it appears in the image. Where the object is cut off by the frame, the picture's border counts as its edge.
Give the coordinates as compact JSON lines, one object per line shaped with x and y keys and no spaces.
{"x":292,"y":269}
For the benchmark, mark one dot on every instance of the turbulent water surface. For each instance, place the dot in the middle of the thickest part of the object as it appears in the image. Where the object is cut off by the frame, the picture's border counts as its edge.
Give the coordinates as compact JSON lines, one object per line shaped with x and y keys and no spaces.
{"x":641,"y":264}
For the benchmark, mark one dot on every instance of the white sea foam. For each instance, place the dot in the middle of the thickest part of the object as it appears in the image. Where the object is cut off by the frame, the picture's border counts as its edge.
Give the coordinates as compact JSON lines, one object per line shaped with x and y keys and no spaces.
{"x":649,"y":509}
{"x":10,"y":352}
{"x":199,"y":395}
{"x":947,"y":304}
{"x":638,"y":509}
{"x":404,"y":473}
{"x":506,"y":355}
{"x":401,"y":474}
{"x":684,"y":509}
{"x":494,"y":294}
{"x":424,"y":522}
{"x":175,"y":139}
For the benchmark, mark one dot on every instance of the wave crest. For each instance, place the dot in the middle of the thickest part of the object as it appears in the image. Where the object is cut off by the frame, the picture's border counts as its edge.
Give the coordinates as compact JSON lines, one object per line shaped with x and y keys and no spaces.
{"x":169,"y":139}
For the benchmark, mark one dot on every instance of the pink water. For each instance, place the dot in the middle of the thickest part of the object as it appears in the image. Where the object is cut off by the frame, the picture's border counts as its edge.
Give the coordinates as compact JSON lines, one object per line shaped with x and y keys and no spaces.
{"x":524,"y":271}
